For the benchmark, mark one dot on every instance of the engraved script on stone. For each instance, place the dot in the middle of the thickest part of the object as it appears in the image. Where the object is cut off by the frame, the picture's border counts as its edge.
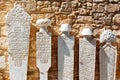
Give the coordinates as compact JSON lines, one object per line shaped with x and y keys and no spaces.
{"x":108,"y":57}
{"x":65,"y":58}
{"x":87,"y":54}
{"x":18,"y":30}
{"x":43,"y":54}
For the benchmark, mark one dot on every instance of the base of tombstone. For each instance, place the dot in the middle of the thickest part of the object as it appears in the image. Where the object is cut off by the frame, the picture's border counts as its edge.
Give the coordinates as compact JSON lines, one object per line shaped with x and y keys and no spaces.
{"x":18,"y":72}
{"x":43,"y":75}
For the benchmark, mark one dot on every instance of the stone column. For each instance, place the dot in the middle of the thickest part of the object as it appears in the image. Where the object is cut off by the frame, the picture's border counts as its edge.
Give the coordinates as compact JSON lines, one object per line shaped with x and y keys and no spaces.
{"x":108,"y":56}
{"x":43,"y":48}
{"x":18,"y":32}
{"x":87,"y":54}
{"x":65,"y":54}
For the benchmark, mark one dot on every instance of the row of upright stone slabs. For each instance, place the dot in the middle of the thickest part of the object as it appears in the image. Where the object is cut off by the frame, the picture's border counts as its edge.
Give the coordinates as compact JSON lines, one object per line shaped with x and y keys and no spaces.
{"x":18,"y":27}
{"x":87,"y":53}
{"x":18,"y":32}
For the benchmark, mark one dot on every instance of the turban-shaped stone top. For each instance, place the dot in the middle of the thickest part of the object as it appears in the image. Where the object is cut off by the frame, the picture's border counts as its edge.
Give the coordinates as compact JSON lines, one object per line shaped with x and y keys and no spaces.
{"x":87,"y":32}
{"x":43,"y":22}
{"x":65,"y":28}
{"x":107,"y":36}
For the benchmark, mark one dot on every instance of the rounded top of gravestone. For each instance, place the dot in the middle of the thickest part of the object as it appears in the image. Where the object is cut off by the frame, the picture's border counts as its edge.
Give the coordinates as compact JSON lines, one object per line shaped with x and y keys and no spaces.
{"x":43,"y":22}
{"x":65,"y":28}
{"x":87,"y":32}
{"x":107,"y":36}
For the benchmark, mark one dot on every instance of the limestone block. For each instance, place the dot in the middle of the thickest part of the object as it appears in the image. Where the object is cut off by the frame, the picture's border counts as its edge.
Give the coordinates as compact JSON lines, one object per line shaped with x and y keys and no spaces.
{"x":3,"y":43}
{"x":107,"y":20}
{"x":98,"y":16}
{"x":3,"y":32}
{"x":2,"y":17}
{"x":112,"y":7}
{"x":98,"y":0}
{"x":29,"y":5}
{"x":113,"y":0}
{"x":84,"y":19}
{"x":116,"y":19}
{"x":98,"y":7}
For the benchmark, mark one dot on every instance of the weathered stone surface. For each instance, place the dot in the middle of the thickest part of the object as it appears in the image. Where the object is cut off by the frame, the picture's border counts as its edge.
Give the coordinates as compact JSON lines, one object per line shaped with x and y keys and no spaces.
{"x":2,"y":62}
{"x":108,"y":58}
{"x":113,"y":0}
{"x":65,"y":6}
{"x":74,"y":5}
{"x":107,"y":19}
{"x":112,"y":7}
{"x":29,"y":5}
{"x":98,"y":7}
{"x":98,"y":16}
{"x":116,"y":19}
{"x":3,"y":32}
{"x":84,"y":11}
{"x":87,"y":54}
{"x":65,"y":57}
{"x":43,"y":54}
{"x":98,"y":0}
{"x":3,"y":43}
{"x":84,"y":19}
{"x":18,"y":31}
{"x":65,"y":53}
{"x":43,"y":48}
{"x":2,"y":19}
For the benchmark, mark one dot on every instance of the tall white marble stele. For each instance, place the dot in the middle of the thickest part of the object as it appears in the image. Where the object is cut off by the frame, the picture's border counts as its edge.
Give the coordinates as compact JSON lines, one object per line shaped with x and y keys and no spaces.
{"x":87,"y":54}
{"x":65,"y":54}
{"x":108,"y":56}
{"x":43,"y":44}
{"x":18,"y":32}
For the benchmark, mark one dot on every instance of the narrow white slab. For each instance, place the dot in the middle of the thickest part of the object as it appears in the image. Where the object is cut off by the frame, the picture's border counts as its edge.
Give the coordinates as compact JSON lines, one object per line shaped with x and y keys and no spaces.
{"x":87,"y":54}
{"x":108,"y":57}
{"x":18,"y":31}
{"x":65,"y":58}
{"x":43,"y":54}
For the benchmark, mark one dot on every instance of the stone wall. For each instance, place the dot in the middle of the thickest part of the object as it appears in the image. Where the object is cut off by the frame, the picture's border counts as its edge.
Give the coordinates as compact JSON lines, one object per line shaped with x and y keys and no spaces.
{"x":99,"y":14}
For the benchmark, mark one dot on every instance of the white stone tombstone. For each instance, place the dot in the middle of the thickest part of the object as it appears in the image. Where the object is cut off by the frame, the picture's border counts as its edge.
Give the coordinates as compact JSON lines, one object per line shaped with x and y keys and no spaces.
{"x":65,"y":54}
{"x":18,"y":32}
{"x":43,"y":48}
{"x":108,"y":56}
{"x":87,"y":54}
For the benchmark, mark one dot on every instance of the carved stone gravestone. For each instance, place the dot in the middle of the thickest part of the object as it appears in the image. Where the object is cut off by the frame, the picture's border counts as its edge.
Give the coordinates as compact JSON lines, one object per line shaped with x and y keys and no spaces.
{"x":18,"y":32}
{"x":43,"y":48}
{"x":65,"y":54}
{"x":108,"y":56}
{"x":87,"y":54}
